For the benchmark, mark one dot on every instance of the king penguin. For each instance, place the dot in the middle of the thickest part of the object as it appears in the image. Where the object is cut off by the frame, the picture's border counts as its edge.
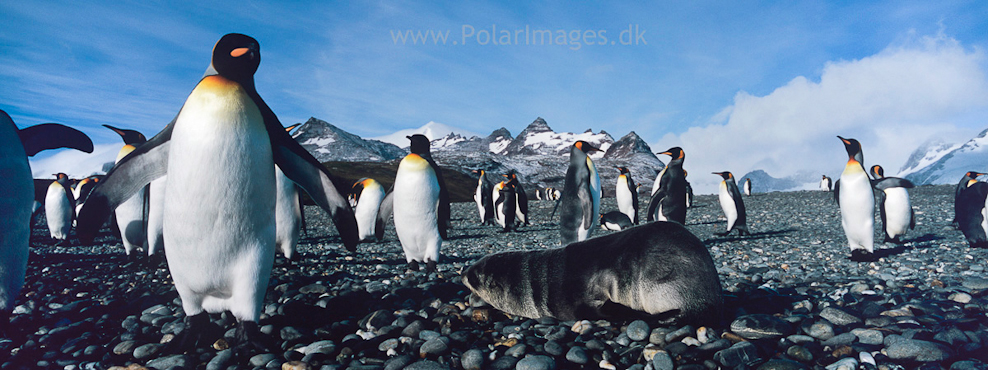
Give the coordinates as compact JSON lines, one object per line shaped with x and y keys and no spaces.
{"x":732,"y":204}
{"x":970,"y":210}
{"x":580,"y":198}
{"x":893,"y":204}
{"x":668,"y":203}
{"x":615,"y":220}
{"x":482,"y":196}
{"x":856,"y":199}
{"x":504,"y":205}
{"x":17,"y":198}
{"x":826,"y":184}
{"x":689,"y":191}
{"x":420,"y":205}
{"x":219,"y":215}
{"x":963,"y":184}
{"x":131,"y":215}
{"x":369,"y":194}
{"x":627,"y":195}
{"x":59,"y":208}
{"x":747,"y":186}
{"x":521,"y":199}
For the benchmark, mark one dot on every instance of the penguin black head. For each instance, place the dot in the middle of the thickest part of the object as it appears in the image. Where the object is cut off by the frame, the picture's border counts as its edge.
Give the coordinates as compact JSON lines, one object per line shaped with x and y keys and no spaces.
{"x":623,"y":170}
{"x":853,"y":148}
{"x":292,"y":127}
{"x":726,"y":175}
{"x":973,"y":174}
{"x":419,"y":144}
{"x":675,"y":153}
{"x":131,"y":137}
{"x":877,"y":172}
{"x":236,"y":56}
{"x":585,"y":147}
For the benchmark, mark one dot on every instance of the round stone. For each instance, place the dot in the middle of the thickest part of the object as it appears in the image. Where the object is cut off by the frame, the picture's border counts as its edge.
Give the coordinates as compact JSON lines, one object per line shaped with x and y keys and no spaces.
{"x":759,"y":326}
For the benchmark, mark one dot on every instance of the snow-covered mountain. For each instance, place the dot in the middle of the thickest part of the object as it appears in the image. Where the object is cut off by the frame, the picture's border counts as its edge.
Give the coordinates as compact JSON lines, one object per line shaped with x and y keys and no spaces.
{"x":330,"y":143}
{"x":539,"y":139}
{"x":938,"y":162}
{"x":762,"y":182}
{"x":431,"y":130}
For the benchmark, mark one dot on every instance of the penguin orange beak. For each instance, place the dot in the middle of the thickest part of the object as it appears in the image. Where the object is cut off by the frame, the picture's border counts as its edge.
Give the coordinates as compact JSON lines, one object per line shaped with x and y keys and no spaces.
{"x":844,"y":140}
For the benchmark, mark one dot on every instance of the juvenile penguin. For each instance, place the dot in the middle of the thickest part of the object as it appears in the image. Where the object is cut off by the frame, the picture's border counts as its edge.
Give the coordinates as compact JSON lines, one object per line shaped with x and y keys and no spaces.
{"x":658,"y":271}
{"x":482,"y":196}
{"x":17,"y":198}
{"x":288,"y":211}
{"x":131,"y":215}
{"x":59,"y":208}
{"x":417,"y":204}
{"x":521,"y":199}
{"x":893,"y":204}
{"x":732,"y":204}
{"x":369,"y":194}
{"x":580,"y":200}
{"x":504,"y":205}
{"x":669,"y":202}
{"x":615,"y":220}
{"x":972,"y":217}
{"x":856,"y":199}
{"x":627,"y":195}
{"x":219,"y":218}
{"x":747,"y":186}
{"x":963,"y":184}
{"x":826,"y":184}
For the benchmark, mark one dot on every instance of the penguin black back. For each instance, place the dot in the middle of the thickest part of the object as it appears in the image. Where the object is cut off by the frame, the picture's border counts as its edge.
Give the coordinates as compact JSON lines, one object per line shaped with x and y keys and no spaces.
{"x":670,"y":199}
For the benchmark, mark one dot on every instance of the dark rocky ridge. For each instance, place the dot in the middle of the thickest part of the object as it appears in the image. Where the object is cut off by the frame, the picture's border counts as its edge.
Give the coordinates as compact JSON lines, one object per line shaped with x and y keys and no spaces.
{"x":923,"y":305}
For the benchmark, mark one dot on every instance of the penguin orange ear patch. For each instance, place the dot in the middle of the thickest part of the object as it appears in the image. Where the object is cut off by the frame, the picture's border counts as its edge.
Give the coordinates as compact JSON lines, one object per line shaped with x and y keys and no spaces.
{"x":236,"y":53}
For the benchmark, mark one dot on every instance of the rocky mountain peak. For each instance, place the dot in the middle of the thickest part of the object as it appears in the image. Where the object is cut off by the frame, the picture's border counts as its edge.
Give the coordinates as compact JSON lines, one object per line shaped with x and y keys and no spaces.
{"x":628,"y":146}
{"x":327,"y":142}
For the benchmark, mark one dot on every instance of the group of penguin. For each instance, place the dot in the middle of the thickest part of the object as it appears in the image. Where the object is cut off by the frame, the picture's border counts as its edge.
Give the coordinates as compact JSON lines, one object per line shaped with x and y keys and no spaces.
{"x":218,"y":187}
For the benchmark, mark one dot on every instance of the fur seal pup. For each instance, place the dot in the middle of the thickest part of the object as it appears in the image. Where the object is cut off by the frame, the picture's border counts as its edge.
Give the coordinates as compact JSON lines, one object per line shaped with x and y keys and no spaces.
{"x":605,"y":277}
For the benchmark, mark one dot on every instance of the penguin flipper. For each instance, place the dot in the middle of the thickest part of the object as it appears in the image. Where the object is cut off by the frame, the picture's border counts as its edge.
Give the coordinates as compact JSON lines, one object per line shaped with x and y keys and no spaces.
{"x":52,"y":136}
{"x":586,"y":204}
{"x":912,"y":219}
{"x":134,"y":171}
{"x":301,"y":207}
{"x":383,"y":213}
{"x":837,"y":192}
{"x":443,"y":212}
{"x":893,"y":182}
{"x":312,"y":177}
{"x":653,"y":204}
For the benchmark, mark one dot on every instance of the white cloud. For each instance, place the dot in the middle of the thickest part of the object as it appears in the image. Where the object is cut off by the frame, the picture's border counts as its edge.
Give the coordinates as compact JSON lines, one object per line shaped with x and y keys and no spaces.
{"x":432,"y":130}
{"x":74,"y":163}
{"x":892,"y":102}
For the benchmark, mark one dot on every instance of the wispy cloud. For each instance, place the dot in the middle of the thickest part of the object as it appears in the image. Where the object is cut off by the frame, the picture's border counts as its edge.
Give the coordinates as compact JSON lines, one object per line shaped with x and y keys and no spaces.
{"x":891,"y":102}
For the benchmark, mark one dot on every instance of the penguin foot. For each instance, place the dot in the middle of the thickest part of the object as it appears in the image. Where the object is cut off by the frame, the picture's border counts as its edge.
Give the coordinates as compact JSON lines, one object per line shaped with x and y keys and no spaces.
{"x":431,"y":266}
{"x":155,"y":261}
{"x":861,"y":255}
{"x":249,"y":340}
{"x":192,"y":337}
{"x":894,"y":240}
{"x":413,"y":266}
{"x":743,"y":232}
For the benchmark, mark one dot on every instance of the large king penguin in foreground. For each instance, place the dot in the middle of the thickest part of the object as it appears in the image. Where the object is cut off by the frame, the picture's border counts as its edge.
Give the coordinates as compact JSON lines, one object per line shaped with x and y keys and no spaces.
{"x":219,"y":215}
{"x":856,"y":199}
{"x":17,"y":198}
{"x":627,"y":195}
{"x":668,"y":202}
{"x":580,"y":199}
{"x":131,"y":215}
{"x":369,"y":194}
{"x":732,"y":204}
{"x":893,"y":204}
{"x":420,"y":203}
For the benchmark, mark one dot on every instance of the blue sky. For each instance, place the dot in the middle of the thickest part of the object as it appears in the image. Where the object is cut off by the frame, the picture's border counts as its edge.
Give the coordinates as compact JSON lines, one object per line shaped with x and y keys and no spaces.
{"x":711,"y":77}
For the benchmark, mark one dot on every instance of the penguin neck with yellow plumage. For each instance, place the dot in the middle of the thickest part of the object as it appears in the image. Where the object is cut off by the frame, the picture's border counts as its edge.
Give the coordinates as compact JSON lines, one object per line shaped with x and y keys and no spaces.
{"x":236,"y":58}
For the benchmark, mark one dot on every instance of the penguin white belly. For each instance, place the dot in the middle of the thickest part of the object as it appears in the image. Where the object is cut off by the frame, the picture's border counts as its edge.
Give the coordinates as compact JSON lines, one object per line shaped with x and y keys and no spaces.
{"x":16,"y":205}
{"x":658,"y":184}
{"x":498,"y":209}
{"x":416,"y":202}
{"x":984,"y":218}
{"x":727,"y":204}
{"x":857,"y":209}
{"x":58,"y":211}
{"x":478,"y":196}
{"x":499,"y":215}
{"x":156,"y":205}
{"x":625,"y":201}
{"x":219,"y":220}
{"x":288,"y":214}
{"x":898,"y":212}
{"x":585,"y":230}
{"x":367,"y":208}
{"x":130,"y":222}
